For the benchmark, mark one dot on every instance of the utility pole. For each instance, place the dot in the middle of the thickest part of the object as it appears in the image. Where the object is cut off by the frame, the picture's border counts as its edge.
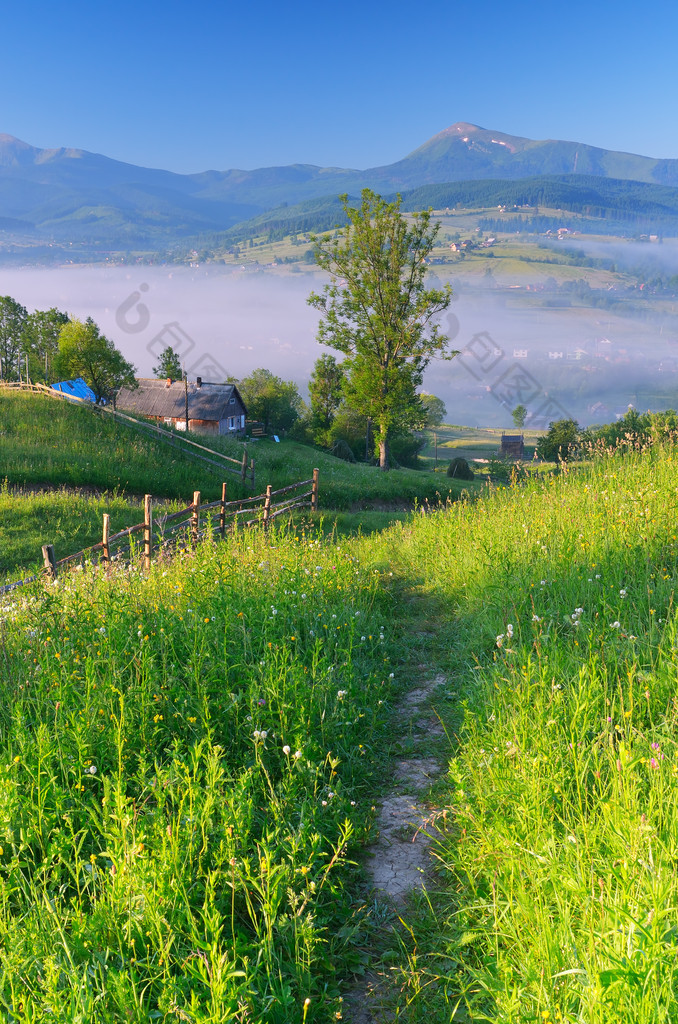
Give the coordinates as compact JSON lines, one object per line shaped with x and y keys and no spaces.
{"x":186,"y":397}
{"x":435,"y":438}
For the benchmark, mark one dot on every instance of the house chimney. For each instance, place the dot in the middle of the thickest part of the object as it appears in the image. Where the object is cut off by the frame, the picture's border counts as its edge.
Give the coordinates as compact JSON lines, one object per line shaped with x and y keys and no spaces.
{"x":169,"y":382}
{"x":198,"y":382}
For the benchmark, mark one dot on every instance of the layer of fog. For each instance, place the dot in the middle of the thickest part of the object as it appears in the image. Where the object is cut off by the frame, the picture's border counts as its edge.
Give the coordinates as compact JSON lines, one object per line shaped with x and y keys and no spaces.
{"x":581,"y":362}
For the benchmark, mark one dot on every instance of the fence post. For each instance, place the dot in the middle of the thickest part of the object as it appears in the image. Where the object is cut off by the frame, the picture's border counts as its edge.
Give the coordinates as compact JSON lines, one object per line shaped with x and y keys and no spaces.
{"x":49,"y":560}
{"x":267,"y":505}
{"x":104,"y":540}
{"x":252,"y":468}
{"x":195,"y":518}
{"x":148,"y":531}
{"x":222,"y":513}
{"x":243,"y":471}
{"x":314,"y":491}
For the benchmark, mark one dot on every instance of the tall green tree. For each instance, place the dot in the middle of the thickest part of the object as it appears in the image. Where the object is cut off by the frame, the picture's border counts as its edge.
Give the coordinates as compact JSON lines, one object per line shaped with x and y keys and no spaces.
{"x":519,"y":415}
{"x":379,"y":313}
{"x":168,"y":364}
{"x":85,"y":352}
{"x":41,"y":342}
{"x":274,"y":402}
{"x":12,"y":327}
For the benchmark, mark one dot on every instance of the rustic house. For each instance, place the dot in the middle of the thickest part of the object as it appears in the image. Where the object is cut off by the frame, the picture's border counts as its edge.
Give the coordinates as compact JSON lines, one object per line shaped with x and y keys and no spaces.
{"x":513,"y":445}
{"x":212,"y":408}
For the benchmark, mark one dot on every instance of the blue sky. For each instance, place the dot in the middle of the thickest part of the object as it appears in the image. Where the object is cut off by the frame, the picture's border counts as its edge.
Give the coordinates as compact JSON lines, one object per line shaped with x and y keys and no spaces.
{"x":190,"y":87}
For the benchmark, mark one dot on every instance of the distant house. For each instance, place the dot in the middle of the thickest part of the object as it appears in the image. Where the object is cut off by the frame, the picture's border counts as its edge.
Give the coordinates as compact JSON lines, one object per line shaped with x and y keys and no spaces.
{"x":76,"y":388}
{"x":513,"y":445}
{"x":212,"y":408}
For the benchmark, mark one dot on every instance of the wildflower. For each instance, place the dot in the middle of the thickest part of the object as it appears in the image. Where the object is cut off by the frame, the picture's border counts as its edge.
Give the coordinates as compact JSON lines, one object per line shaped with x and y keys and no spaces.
{"x":535,"y":618}
{"x":286,"y":750}
{"x":622,"y":593}
{"x":92,"y":769}
{"x":391,"y":675}
{"x":341,"y":694}
{"x":509,"y":631}
{"x":500,"y":639}
{"x":615,"y":625}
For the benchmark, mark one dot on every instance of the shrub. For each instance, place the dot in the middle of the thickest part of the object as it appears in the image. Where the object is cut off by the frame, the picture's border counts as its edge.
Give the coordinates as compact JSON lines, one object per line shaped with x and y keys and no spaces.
{"x":460,"y":469}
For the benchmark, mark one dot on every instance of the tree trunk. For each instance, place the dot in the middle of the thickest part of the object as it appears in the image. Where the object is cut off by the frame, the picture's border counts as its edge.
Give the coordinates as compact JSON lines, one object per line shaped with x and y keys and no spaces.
{"x":384,"y":454}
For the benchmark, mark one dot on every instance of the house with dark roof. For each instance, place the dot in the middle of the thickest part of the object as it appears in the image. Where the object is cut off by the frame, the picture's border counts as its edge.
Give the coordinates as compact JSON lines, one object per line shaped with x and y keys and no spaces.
{"x":212,"y":408}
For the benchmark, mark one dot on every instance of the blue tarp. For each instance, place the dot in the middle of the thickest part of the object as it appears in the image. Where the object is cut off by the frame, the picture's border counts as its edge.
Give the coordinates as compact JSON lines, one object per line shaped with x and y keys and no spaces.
{"x":75,"y":388}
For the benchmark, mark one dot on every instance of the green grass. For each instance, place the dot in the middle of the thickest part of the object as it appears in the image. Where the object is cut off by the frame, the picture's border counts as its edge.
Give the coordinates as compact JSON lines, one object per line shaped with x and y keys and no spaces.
{"x":186,"y":770}
{"x":70,"y":521}
{"x":49,"y":444}
{"x":164,"y":859}
{"x":555,"y":622}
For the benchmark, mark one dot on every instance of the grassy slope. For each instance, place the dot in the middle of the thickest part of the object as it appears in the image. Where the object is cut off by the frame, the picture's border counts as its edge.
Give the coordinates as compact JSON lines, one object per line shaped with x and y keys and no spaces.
{"x":189,"y":853}
{"x":555,"y":621}
{"x":49,"y":443}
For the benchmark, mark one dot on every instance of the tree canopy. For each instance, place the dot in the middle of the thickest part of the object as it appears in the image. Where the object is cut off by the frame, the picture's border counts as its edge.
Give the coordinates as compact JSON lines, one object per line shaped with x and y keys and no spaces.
{"x":379,"y":313}
{"x":168,"y":364}
{"x":271,"y":400}
{"x":85,"y":352}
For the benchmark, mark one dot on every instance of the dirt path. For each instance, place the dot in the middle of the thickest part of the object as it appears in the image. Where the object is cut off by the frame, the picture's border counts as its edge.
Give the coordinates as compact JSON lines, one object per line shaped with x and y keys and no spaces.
{"x":399,"y":861}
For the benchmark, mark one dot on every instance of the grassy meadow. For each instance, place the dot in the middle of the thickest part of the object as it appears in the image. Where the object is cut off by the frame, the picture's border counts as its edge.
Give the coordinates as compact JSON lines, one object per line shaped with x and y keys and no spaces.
{"x":186,"y":774}
{"x":552,"y":606}
{"x":190,"y":761}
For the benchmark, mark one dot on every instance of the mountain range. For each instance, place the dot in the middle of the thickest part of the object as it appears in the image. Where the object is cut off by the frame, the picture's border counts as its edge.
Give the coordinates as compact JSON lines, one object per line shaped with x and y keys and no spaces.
{"x":70,"y":196}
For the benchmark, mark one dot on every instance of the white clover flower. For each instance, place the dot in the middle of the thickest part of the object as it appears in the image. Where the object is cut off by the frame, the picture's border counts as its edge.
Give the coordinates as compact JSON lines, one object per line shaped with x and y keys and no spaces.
{"x":391,"y":675}
{"x":286,"y":750}
{"x":297,"y":755}
{"x":92,"y":769}
{"x":341,"y":694}
{"x":615,"y":625}
{"x":535,"y":618}
{"x":500,"y":639}
{"x":509,"y":631}
{"x":363,"y":638}
{"x":622,"y":593}
{"x":274,"y":611}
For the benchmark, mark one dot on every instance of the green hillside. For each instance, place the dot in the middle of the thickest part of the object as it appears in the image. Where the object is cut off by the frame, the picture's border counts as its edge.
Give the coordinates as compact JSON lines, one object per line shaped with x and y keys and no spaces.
{"x":49,"y":445}
{"x":193,"y":759}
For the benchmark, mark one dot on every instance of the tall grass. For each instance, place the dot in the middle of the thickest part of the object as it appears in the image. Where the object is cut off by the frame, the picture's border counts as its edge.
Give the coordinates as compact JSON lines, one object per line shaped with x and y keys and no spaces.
{"x":185,"y":767}
{"x":557,"y":846}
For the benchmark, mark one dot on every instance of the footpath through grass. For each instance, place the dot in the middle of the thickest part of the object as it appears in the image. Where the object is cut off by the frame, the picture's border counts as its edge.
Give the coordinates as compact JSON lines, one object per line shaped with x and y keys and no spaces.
{"x":556,"y":890}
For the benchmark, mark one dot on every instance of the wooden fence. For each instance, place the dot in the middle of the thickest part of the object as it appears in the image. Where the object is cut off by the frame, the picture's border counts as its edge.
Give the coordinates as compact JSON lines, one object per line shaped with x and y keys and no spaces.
{"x":245,"y":466}
{"x":180,"y":529}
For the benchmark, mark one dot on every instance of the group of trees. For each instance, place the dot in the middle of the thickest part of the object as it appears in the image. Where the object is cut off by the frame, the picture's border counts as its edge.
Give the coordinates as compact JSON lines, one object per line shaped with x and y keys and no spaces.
{"x":47,"y":345}
{"x":28,"y":341}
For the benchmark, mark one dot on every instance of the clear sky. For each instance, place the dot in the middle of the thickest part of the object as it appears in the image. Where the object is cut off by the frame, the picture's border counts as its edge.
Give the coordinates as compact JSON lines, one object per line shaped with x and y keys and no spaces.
{"x":190,"y":87}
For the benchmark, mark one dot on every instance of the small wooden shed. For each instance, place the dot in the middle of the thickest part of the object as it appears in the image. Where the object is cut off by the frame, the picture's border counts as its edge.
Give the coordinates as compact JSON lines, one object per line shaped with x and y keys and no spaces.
{"x":512,"y":446}
{"x":212,"y":408}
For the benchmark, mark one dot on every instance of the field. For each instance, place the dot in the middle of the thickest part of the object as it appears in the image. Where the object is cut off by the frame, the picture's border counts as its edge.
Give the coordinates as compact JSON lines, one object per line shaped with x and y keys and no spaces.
{"x":64,"y":466}
{"x":191,"y":761}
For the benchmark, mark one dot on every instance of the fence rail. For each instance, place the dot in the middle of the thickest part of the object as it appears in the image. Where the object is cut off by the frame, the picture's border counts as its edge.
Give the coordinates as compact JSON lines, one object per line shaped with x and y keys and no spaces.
{"x":245,"y":465}
{"x":182,"y":528}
